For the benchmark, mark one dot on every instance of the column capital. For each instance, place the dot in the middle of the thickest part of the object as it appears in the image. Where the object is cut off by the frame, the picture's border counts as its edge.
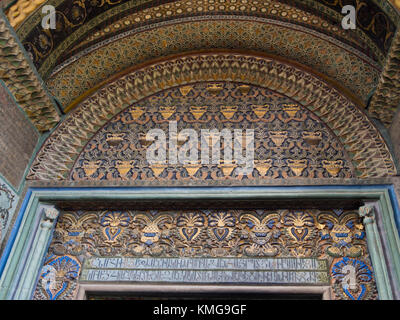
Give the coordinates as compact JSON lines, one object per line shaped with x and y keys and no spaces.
{"x":51,"y":213}
{"x":367,"y":212}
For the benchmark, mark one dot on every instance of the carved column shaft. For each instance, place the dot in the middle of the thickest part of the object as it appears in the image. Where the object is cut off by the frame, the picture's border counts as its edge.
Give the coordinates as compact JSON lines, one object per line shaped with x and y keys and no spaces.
{"x":36,"y":255}
{"x":367,"y":212}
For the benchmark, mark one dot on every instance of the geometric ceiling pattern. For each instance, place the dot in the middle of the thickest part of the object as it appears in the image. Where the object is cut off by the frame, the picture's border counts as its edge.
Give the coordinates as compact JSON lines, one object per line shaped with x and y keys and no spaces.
{"x":84,"y":71}
{"x":374,"y":19}
{"x":96,"y":40}
{"x":129,"y":33}
{"x":47,"y":47}
{"x":74,"y":23}
{"x":363,"y":143}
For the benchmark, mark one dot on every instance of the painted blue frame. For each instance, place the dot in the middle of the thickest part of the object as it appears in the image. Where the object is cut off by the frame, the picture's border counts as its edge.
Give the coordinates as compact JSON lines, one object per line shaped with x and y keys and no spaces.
{"x":383,"y":194}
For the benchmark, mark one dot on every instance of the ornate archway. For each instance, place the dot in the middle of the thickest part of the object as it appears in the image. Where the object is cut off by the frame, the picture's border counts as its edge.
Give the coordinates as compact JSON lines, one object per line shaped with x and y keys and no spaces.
{"x":360,"y":139}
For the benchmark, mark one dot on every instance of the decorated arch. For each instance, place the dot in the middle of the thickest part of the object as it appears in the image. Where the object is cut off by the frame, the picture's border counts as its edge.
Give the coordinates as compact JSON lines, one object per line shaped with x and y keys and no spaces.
{"x":162,"y":85}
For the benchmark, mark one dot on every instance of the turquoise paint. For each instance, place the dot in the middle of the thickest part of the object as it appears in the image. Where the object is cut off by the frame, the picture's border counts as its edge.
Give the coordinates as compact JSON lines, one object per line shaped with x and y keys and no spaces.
{"x":10,"y":282}
{"x":376,"y":252}
{"x":5,"y":203}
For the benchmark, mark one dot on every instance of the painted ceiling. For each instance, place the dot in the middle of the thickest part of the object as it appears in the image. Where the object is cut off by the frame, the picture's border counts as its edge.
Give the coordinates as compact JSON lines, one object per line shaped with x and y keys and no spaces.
{"x":96,"y":40}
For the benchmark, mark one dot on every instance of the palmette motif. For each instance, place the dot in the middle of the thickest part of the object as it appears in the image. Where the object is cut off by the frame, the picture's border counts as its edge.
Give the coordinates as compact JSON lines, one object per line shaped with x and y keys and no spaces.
{"x":335,"y":235}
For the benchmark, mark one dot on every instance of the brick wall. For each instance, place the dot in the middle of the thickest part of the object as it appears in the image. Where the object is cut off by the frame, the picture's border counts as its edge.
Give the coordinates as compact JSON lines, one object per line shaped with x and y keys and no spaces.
{"x":18,"y":139}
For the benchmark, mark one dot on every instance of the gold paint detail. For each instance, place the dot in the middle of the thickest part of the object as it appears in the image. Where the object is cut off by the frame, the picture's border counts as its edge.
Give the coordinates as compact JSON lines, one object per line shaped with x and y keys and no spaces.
{"x":351,"y":126}
{"x":21,"y":79}
{"x":297,"y":166}
{"x":386,"y":99}
{"x":21,"y":10}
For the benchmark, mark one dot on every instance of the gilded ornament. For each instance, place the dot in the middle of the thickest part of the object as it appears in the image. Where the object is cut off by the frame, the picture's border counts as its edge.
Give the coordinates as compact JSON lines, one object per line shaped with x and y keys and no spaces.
{"x":214,"y":88}
{"x":185,"y":90}
{"x":297,"y":166}
{"x":262,"y":232}
{"x":114,"y":139}
{"x":198,"y":112}
{"x":51,"y":162}
{"x":152,"y":228}
{"x":190,"y":226}
{"x":227,"y":167}
{"x":344,"y":232}
{"x":291,"y":109}
{"x":158,"y":168}
{"x":278,"y":137}
{"x":333,"y":167}
{"x":145,"y":141}
{"x":221,"y":226}
{"x":244,"y":89}
{"x":260,"y":110}
{"x":167,"y":112}
{"x":331,"y":236}
{"x":192,"y":168}
{"x":354,"y":277}
{"x":21,"y":10}
{"x":229,"y":111}
{"x":91,"y":167}
{"x":136,"y":112}
{"x":58,"y":276}
{"x":263,"y":166}
{"x":312,"y":138}
{"x":124,"y":167}
{"x":113,"y":224}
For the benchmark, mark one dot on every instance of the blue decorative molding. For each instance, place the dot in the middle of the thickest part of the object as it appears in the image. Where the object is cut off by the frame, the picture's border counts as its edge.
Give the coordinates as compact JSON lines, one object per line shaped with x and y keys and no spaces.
{"x":19,"y":270}
{"x":8,"y":203}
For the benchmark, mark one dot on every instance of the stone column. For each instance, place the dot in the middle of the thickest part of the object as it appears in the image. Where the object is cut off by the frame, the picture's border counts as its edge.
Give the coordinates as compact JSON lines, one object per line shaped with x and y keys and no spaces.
{"x":367,"y":212}
{"x":36,"y":255}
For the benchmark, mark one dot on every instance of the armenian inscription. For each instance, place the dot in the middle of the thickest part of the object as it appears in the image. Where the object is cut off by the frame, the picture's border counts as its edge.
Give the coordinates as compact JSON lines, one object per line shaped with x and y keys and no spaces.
{"x":207,"y":270}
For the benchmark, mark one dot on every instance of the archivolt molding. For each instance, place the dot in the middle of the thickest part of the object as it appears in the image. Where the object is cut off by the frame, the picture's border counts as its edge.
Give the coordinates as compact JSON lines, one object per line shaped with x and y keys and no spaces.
{"x":386,"y":99}
{"x":308,"y":48}
{"x":23,"y":82}
{"x":80,"y":18}
{"x":274,"y":10}
{"x":372,"y":12}
{"x":21,"y":10}
{"x":369,"y":153}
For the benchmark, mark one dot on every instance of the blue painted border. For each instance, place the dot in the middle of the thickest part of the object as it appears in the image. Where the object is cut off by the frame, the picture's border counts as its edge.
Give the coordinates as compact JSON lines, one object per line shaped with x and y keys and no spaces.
{"x":18,"y":221}
{"x":14,"y":232}
{"x":395,"y":205}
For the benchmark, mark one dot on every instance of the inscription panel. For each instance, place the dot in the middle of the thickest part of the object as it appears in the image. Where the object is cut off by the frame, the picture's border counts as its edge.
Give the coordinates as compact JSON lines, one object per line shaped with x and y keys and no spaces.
{"x":207,"y":270}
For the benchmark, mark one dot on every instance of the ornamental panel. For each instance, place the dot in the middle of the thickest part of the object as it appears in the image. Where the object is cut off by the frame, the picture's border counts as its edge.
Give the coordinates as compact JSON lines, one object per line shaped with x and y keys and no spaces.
{"x":289,"y":141}
{"x":365,"y":147}
{"x":303,"y":247}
